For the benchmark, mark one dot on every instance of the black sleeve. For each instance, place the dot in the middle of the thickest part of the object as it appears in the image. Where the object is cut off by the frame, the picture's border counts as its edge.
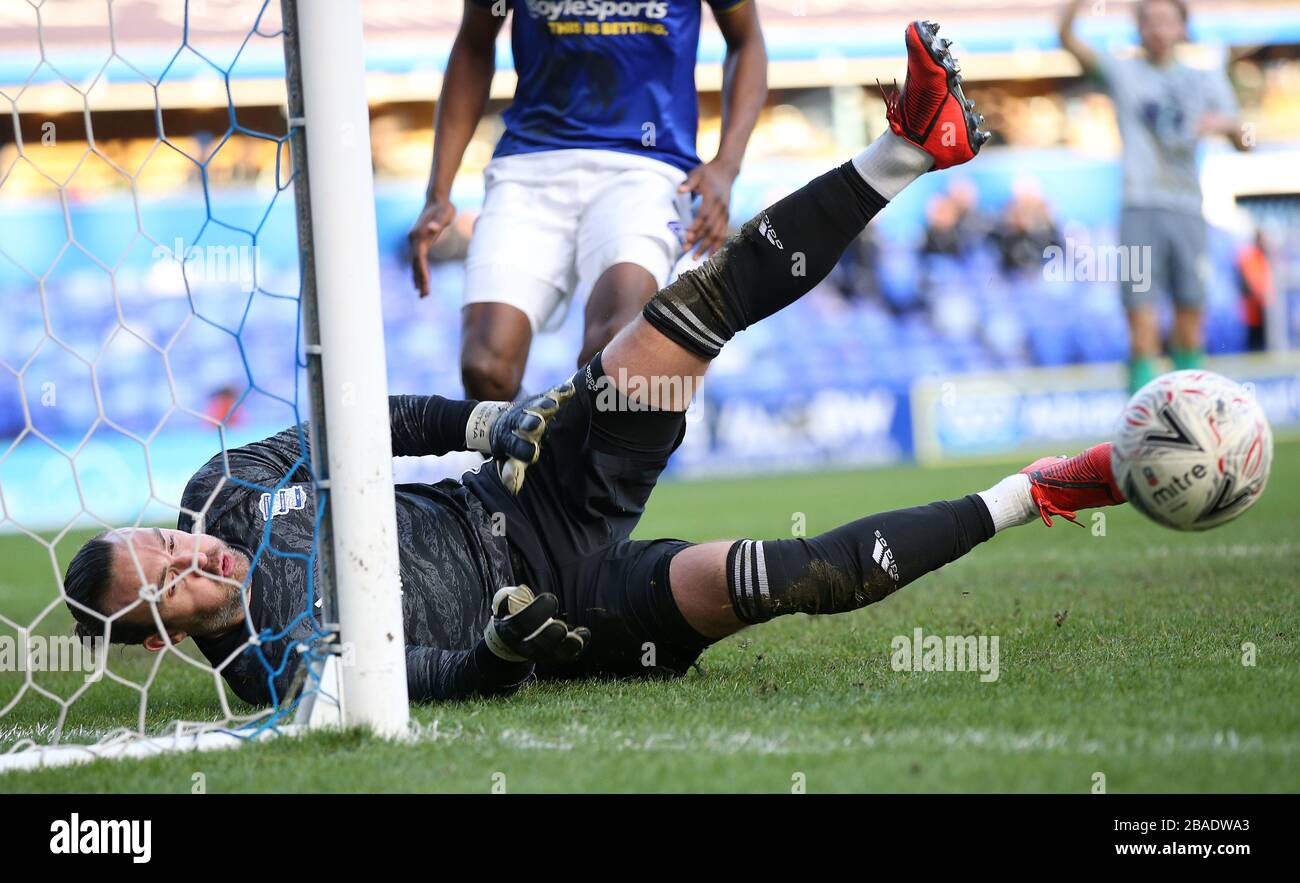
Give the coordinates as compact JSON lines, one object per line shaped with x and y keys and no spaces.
{"x":432,"y":675}
{"x":420,"y":425}
{"x":440,"y":675}
{"x":427,"y":425}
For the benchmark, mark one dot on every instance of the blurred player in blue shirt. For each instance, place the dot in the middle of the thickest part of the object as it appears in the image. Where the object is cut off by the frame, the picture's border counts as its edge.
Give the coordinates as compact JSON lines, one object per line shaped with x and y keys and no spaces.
{"x":590,"y":185}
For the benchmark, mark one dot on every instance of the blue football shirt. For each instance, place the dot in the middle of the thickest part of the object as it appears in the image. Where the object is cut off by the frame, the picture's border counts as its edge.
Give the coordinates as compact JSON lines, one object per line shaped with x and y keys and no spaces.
{"x":606,"y":75}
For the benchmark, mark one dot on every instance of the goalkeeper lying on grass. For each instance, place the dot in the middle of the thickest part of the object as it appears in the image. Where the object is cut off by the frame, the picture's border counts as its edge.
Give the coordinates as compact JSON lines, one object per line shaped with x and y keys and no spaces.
{"x":593,"y":449}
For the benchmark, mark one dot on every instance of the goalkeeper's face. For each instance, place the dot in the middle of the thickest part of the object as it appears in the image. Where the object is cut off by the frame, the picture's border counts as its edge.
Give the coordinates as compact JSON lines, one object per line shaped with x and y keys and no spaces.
{"x":197,"y":579}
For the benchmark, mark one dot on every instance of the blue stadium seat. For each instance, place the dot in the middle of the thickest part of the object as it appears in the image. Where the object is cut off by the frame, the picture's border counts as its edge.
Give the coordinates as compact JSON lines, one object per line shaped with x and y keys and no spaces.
{"x":935,"y":314}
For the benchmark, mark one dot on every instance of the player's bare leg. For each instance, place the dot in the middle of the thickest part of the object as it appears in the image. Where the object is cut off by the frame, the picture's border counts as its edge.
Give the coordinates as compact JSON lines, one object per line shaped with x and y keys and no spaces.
{"x":495,"y":339}
{"x":616,"y":299}
{"x":641,"y":351}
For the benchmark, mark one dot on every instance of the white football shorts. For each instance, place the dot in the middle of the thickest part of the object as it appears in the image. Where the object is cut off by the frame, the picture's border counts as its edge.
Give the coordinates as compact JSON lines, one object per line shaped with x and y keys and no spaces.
{"x":553,"y":221}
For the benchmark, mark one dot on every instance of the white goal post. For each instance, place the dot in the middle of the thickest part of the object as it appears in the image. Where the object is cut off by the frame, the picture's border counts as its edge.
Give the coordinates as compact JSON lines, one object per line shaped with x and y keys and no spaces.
{"x":358,"y":465}
{"x":362,"y":680}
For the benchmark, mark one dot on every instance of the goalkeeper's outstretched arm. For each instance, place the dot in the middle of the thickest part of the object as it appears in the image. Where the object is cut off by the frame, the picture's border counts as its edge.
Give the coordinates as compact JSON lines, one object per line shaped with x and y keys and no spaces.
{"x":510,"y":433}
{"x":435,"y":675}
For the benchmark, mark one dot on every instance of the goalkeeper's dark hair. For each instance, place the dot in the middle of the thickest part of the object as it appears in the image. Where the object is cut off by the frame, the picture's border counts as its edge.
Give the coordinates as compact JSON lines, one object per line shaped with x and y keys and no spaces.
{"x":87,"y":581}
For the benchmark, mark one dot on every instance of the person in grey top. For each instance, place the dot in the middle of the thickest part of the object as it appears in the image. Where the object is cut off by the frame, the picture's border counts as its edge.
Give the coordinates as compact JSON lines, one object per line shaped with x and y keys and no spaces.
{"x":1164,"y":108}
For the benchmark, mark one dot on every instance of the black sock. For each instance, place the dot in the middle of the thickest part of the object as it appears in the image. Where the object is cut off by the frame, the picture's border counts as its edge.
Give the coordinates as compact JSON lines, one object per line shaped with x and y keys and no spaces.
{"x":775,"y":259}
{"x":853,"y":565}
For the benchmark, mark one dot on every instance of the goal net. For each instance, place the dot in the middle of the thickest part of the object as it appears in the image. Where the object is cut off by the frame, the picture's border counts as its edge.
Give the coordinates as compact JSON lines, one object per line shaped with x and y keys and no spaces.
{"x":171,"y":292}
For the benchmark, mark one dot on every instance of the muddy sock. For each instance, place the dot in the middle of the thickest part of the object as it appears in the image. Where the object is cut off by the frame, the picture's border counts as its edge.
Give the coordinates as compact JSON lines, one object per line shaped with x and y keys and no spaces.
{"x":853,"y":565}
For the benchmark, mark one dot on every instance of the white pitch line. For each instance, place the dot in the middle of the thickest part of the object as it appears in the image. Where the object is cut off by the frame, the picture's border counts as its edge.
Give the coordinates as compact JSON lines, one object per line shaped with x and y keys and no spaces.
{"x":732,"y":742}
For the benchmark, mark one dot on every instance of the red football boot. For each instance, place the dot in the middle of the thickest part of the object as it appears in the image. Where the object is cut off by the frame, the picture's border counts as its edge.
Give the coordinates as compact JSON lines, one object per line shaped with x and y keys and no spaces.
{"x":931,"y":111}
{"x":1063,"y":485}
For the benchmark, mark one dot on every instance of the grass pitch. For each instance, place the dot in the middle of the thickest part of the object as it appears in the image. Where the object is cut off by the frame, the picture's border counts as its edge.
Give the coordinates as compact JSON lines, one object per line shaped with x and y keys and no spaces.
{"x":1122,"y":654}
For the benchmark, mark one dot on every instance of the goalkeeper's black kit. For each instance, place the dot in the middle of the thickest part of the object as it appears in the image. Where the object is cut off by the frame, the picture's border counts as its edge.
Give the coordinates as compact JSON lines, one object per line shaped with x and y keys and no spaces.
{"x":567,"y":533}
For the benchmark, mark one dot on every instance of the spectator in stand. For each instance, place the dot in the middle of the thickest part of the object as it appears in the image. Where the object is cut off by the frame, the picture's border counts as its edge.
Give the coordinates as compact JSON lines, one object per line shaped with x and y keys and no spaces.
{"x":1026,"y":231}
{"x":857,"y":276}
{"x":223,"y":406}
{"x":1255,"y":282}
{"x":954,"y":225}
{"x":942,"y":236}
{"x":973,"y":225}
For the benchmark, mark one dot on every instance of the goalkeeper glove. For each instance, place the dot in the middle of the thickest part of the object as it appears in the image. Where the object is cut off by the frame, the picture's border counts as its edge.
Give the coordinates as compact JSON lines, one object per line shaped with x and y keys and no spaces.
{"x":524,"y":628}
{"x":512,"y":433}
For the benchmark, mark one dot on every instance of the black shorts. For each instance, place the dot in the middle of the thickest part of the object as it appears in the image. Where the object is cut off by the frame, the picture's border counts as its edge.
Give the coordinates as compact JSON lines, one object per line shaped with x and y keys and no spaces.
{"x":568,"y":531}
